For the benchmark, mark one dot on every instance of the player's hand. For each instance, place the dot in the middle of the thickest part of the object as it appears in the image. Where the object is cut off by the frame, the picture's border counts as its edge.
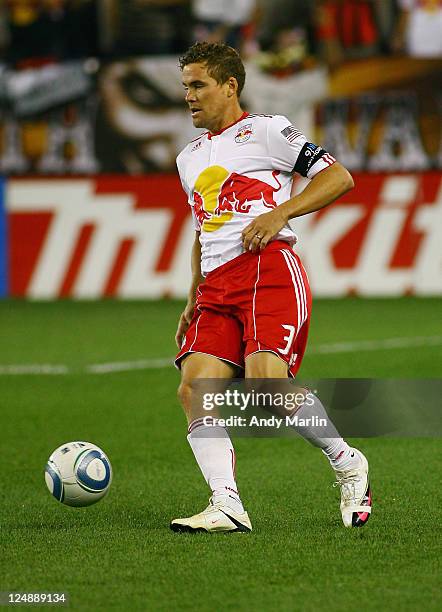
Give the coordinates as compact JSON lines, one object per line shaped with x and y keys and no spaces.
{"x":262,"y":229}
{"x":183,"y":323}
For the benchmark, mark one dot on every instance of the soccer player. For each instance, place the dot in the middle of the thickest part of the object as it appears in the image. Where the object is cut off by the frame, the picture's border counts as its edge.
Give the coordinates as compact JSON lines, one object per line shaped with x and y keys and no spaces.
{"x":249,"y":302}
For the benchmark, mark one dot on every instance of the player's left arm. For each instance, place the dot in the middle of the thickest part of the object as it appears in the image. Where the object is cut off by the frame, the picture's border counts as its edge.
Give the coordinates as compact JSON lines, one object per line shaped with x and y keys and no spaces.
{"x":324,"y":188}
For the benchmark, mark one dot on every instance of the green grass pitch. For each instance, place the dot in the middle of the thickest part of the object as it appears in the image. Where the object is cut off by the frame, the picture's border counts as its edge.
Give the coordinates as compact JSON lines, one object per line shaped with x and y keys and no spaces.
{"x":120,"y":554}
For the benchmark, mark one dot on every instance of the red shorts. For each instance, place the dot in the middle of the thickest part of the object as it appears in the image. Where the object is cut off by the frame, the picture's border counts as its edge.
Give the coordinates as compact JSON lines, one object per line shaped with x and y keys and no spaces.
{"x":255,"y":302}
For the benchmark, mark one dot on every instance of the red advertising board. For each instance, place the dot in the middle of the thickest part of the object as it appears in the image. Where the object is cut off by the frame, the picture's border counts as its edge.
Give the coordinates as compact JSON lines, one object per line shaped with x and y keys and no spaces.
{"x":130,"y":237}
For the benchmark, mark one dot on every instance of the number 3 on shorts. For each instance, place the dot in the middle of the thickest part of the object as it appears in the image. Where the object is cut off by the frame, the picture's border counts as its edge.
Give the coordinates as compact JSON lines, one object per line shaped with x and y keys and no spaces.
{"x":288,"y":339}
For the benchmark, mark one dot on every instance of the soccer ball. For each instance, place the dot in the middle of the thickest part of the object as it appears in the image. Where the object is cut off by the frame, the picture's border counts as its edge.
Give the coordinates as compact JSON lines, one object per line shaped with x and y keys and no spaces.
{"x":78,"y":474}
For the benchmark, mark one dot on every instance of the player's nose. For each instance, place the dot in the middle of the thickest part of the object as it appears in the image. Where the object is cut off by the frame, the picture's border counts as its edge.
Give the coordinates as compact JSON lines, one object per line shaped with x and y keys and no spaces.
{"x":190,"y":96}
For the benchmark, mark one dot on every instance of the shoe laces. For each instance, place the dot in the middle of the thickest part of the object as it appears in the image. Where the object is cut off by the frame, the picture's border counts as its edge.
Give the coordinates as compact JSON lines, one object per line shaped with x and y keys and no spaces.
{"x":213,"y":503}
{"x":217,"y":500}
{"x":347,"y":481}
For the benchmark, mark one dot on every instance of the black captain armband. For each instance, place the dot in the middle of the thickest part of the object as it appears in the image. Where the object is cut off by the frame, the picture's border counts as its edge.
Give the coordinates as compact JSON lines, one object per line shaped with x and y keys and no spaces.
{"x":308,"y":156}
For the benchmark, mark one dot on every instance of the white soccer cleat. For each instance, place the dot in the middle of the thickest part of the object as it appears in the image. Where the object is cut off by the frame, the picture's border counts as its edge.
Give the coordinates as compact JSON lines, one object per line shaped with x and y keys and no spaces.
{"x":217,"y":517}
{"x":355,"y":493}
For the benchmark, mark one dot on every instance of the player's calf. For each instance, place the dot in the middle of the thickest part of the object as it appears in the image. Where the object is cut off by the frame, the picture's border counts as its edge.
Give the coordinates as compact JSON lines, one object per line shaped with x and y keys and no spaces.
{"x":349,"y":464}
{"x":211,"y":446}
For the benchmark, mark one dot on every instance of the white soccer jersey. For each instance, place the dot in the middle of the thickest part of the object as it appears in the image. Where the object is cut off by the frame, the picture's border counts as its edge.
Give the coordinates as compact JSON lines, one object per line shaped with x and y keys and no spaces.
{"x":235,"y":175}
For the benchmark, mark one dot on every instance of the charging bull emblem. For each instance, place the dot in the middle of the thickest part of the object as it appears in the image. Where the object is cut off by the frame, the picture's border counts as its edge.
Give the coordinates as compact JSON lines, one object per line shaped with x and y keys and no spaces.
{"x":218,"y":195}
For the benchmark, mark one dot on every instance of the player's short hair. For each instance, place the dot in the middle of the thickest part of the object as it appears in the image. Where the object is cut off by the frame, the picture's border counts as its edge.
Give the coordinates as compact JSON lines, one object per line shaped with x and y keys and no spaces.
{"x":222,"y":62}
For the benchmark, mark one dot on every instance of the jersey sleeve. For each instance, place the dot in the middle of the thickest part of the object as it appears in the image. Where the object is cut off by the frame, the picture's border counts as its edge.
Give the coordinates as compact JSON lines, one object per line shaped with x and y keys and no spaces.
{"x":290,"y":151}
{"x":190,"y":201}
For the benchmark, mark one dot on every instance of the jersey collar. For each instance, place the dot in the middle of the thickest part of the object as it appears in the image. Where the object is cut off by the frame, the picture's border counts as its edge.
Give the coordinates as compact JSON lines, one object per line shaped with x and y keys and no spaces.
{"x":212,"y":134}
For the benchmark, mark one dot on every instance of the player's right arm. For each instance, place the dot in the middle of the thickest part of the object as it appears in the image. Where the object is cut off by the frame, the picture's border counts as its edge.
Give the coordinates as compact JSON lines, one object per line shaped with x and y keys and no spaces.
{"x":197,"y":279}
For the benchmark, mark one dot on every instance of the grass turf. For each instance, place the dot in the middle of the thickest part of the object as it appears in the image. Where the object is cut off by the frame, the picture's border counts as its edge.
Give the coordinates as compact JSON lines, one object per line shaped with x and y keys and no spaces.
{"x":120,"y":553}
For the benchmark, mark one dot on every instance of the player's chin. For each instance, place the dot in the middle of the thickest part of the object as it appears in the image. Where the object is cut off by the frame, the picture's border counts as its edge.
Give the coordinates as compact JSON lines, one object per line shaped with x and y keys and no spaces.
{"x":198,"y":120}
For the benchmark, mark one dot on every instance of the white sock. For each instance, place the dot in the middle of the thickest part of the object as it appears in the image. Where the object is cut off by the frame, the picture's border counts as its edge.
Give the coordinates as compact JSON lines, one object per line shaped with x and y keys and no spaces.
{"x":327,"y":438}
{"x":215,"y":456}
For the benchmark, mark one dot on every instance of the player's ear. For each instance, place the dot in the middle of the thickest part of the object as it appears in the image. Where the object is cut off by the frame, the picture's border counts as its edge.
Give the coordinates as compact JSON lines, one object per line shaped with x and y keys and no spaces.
{"x":232,"y":87}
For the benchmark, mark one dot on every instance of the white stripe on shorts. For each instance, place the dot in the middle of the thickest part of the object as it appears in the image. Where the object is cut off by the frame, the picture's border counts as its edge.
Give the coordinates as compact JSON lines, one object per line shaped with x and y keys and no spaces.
{"x":295,"y":286}
{"x":300,"y":283}
{"x":196,"y":331}
{"x":254,"y":298}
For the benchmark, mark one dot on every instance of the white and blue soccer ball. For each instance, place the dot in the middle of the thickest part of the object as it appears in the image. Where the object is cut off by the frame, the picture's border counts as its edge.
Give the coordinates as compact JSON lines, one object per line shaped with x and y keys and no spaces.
{"x":78,"y":474}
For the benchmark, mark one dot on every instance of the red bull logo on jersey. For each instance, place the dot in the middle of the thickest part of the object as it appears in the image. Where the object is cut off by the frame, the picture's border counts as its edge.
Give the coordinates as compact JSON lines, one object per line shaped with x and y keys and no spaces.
{"x":243,"y":134}
{"x":218,"y":195}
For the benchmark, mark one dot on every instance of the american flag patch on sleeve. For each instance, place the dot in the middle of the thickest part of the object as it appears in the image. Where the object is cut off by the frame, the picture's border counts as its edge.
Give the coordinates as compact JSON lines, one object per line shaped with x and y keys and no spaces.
{"x":291,"y":133}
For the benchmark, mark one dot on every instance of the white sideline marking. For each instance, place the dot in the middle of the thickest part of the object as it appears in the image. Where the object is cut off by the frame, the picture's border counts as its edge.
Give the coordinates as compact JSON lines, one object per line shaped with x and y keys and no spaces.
{"x":126,"y":366}
{"x":46,"y":369}
{"x":35,"y":368}
{"x":374,"y":345}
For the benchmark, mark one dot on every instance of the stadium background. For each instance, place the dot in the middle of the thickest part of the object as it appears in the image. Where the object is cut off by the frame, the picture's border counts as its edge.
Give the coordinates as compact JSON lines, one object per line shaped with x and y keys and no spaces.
{"x":95,"y":237}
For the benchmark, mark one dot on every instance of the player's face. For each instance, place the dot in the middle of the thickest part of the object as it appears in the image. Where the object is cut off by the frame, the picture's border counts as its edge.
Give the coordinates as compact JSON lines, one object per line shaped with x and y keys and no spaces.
{"x":208,"y":100}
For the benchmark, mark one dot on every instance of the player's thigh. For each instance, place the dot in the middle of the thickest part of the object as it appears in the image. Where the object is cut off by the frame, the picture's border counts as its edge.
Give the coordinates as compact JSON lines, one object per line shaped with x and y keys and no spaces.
{"x":262,"y":369}
{"x":265,"y":364}
{"x":201,"y":374}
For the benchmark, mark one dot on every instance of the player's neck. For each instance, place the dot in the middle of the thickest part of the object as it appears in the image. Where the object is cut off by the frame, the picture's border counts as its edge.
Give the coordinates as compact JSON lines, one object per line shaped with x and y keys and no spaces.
{"x":229,"y":118}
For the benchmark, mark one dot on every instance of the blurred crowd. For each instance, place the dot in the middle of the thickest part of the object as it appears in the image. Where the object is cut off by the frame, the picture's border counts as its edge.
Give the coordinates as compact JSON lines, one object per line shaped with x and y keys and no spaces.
{"x":283,"y":34}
